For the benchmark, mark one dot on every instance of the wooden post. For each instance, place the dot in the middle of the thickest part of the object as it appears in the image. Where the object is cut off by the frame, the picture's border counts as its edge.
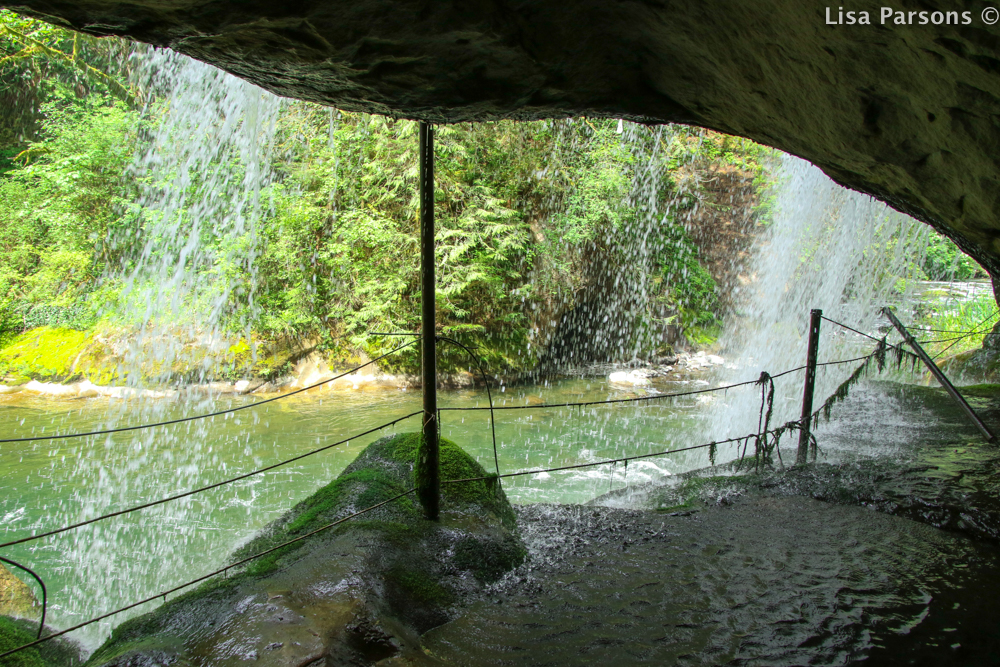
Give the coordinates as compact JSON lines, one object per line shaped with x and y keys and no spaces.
{"x":810,"y":386}
{"x":939,"y":374}
{"x":429,"y":482}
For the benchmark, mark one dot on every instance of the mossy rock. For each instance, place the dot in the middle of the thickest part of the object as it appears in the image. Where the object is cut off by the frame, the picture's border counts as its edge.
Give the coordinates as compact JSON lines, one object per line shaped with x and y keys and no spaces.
{"x":980,"y":390}
{"x":56,"y":354}
{"x":58,"y":652}
{"x":981,"y":366}
{"x":367,"y":587}
{"x":16,"y":599}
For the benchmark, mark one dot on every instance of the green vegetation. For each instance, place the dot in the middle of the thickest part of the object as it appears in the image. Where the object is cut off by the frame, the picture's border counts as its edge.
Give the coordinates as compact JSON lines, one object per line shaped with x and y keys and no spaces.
{"x":944,"y":261}
{"x":525,"y":212}
{"x":971,"y":318}
{"x":540,"y":224}
{"x":47,"y":353}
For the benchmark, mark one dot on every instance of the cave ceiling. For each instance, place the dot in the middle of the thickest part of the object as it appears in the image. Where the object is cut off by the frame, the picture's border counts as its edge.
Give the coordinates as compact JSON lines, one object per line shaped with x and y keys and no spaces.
{"x":905,"y":112}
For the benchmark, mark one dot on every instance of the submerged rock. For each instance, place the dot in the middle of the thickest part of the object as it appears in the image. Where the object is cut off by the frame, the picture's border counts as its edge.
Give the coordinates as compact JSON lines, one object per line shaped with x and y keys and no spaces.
{"x":358,"y":593}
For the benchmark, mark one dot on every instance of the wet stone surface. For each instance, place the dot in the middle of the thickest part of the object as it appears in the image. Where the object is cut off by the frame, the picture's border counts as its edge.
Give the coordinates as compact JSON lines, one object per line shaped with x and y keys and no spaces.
{"x":903,"y":450}
{"x":761,"y":581}
{"x":882,"y":552}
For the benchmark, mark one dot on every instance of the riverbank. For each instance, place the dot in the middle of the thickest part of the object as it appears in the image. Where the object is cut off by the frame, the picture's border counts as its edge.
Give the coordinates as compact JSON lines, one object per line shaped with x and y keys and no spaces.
{"x":63,"y":363}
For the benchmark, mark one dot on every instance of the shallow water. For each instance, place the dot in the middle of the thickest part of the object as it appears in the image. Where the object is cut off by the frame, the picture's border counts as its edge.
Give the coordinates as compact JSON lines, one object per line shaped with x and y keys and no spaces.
{"x":900,"y":449}
{"x":764,"y":581}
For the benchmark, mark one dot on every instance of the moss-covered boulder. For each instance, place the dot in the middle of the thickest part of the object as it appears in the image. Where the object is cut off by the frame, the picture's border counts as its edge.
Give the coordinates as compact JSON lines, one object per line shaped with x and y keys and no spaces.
{"x":57,"y":652}
{"x":974,"y":366}
{"x":56,"y":354}
{"x":358,"y":593}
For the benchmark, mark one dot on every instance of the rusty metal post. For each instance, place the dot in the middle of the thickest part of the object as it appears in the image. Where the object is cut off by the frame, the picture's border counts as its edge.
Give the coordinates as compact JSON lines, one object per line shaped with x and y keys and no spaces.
{"x":810,"y":386}
{"x":429,"y":482}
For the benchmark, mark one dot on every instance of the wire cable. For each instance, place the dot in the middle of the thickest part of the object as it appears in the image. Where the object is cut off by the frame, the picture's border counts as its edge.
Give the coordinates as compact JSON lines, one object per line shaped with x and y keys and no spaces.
{"x":209,"y":487}
{"x":653,"y":397}
{"x":601,"y":463}
{"x":541,"y":406}
{"x":489,"y":396}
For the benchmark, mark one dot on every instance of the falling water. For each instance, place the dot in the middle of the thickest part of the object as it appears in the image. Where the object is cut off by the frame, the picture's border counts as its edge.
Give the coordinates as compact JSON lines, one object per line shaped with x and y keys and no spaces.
{"x":202,"y":176}
{"x":826,"y":247}
{"x":617,"y":316}
{"x":823,"y":247}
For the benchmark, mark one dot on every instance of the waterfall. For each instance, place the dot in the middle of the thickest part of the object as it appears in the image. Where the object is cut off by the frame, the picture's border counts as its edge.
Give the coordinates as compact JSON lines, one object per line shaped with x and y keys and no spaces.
{"x":825,"y":247}
{"x":202,"y":175}
{"x":620,"y":313}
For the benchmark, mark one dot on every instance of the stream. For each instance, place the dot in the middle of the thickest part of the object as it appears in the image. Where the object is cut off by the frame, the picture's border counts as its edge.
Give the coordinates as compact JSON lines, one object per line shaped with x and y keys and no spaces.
{"x":732,"y":553}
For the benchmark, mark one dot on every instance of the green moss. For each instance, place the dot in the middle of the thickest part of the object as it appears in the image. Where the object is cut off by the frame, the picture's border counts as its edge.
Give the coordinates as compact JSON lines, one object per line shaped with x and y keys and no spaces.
{"x":400,"y":534}
{"x":12,"y":636}
{"x":378,"y":486}
{"x":423,"y":476}
{"x":383,"y":470}
{"x":454,"y":464}
{"x":45,"y":353}
{"x":419,"y":586}
{"x":981,"y":390}
{"x":408,"y":546}
{"x":691,"y":492}
{"x":488,"y":561}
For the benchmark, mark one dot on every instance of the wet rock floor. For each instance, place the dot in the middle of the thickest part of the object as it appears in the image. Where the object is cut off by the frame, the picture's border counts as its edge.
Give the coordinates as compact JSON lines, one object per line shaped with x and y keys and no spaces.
{"x":764,"y":581}
{"x":885,"y":554}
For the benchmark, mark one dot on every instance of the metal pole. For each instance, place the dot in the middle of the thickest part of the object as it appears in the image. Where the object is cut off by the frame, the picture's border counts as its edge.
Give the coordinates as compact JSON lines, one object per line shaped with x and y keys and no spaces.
{"x":948,"y":386}
{"x":810,"y":386}
{"x":429,"y":494}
